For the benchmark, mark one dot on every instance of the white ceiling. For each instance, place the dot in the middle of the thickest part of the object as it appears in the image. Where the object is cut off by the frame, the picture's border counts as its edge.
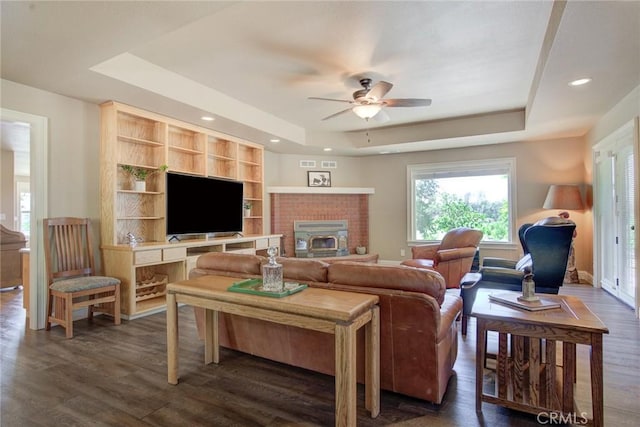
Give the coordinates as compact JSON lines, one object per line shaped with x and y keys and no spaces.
{"x":496,"y":71}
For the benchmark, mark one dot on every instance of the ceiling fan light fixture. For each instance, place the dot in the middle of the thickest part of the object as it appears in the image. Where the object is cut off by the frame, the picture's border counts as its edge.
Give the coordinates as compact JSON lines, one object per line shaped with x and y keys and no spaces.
{"x":367,"y":111}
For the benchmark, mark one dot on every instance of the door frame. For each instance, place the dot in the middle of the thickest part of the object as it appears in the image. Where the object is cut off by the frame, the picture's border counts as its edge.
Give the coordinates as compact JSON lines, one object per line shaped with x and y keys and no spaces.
{"x":38,"y":155}
{"x":606,"y":144}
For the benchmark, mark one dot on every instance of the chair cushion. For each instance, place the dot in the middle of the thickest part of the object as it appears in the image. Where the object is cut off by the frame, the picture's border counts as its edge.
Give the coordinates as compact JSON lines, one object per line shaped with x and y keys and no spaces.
{"x":83,"y":283}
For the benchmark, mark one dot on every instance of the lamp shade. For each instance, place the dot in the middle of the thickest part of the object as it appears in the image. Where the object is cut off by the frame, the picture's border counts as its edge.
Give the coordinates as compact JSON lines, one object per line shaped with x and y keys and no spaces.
{"x":563,"y":197}
{"x":366,"y":111}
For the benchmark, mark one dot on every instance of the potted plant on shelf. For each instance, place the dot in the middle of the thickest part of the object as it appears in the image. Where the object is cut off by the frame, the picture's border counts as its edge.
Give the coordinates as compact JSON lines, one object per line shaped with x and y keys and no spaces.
{"x":141,"y":174}
{"x":247,"y":208}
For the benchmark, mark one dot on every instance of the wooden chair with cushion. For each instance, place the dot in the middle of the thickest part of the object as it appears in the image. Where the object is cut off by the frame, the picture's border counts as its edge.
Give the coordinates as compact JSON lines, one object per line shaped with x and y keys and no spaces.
{"x":72,"y":283}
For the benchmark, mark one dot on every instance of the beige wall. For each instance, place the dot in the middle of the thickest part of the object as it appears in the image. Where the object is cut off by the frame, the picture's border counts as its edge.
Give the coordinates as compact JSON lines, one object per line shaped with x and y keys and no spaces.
{"x":538,"y":164}
{"x":73,"y":149}
{"x":74,"y":168}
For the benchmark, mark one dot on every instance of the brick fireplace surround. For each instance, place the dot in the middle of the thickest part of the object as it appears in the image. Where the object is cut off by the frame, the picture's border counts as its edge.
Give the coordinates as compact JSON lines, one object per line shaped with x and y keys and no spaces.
{"x":287,"y":208}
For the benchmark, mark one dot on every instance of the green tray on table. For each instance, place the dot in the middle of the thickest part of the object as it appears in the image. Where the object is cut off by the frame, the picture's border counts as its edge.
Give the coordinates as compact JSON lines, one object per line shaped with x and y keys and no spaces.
{"x":254,"y":287}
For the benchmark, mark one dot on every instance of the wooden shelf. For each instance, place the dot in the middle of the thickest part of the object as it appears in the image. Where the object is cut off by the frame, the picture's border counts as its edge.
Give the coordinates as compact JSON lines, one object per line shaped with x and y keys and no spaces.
{"x":139,"y":138}
{"x":150,"y":193}
{"x":184,"y":150}
{"x":139,"y":141}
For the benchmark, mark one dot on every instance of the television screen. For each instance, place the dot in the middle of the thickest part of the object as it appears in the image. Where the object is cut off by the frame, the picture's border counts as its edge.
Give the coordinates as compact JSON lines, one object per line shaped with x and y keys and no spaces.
{"x":200,"y":205}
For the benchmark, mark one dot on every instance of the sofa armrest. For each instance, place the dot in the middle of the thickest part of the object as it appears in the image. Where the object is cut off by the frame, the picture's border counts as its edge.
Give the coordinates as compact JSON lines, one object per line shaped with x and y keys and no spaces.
{"x":224,"y":261}
{"x":427,"y":251}
{"x":449,"y":311}
{"x":501,"y":275}
{"x":498,"y":262}
{"x":457,"y":253}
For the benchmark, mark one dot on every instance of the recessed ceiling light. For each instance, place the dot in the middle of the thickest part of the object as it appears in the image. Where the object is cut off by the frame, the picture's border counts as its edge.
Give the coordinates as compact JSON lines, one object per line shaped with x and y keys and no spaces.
{"x":207,"y":118}
{"x":327,"y":149}
{"x":274,"y":140}
{"x":580,"y":82}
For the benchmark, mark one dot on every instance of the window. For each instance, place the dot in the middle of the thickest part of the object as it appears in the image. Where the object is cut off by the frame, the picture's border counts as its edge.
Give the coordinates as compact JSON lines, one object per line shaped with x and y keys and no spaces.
{"x":476,"y":194}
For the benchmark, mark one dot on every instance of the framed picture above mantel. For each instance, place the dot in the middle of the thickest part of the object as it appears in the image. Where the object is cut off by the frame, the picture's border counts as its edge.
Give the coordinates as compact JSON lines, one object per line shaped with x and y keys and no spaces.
{"x":319,"y":179}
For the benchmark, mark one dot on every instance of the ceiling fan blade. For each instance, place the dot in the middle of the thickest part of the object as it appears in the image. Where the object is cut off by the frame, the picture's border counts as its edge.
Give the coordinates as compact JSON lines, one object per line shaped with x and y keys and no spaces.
{"x":329,"y":99}
{"x":337,"y":114}
{"x":379,"y":90}
{"x":407,"y":102}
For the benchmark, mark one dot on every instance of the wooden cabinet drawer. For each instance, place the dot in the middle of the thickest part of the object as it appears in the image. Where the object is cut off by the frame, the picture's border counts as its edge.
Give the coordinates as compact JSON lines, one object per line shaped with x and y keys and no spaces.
{"x":145,"y":257}
{"x":274,"y":241}
{"x":246,"y":251}
{"x":171,"y":254}
{"x":262,"y":244}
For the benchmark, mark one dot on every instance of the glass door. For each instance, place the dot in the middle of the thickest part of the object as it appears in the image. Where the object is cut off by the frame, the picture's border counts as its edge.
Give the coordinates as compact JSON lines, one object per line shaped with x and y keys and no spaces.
{"x":615,"y":205}
{"x":625,"y":221}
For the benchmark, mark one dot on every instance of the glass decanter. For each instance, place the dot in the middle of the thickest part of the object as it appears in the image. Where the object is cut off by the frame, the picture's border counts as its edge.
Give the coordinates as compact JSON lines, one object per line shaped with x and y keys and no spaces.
{"x":272,"y":273}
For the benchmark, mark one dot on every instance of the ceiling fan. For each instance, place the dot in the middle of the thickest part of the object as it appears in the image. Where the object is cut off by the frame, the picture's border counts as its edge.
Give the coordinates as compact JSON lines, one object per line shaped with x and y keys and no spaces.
{"x":369,"y":101}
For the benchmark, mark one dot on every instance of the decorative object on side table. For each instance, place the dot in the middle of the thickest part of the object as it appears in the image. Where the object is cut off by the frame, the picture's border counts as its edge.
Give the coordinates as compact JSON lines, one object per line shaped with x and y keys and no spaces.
{"x":361,"y":250}
{"x":566,"y":197}
{"x":528,"y":287}
{"x":254,"y":287}
{"x":319,"y":179}
{"x":272,"y":273}
{"x":513,"y":299}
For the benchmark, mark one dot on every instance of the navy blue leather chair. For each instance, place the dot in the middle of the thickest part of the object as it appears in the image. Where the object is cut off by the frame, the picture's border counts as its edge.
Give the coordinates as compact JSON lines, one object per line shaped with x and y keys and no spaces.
{"x":546,"y":245}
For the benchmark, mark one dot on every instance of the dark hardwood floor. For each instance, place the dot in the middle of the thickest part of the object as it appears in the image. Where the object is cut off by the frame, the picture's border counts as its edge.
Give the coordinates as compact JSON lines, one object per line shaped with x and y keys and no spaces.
{"x":116,"y":376}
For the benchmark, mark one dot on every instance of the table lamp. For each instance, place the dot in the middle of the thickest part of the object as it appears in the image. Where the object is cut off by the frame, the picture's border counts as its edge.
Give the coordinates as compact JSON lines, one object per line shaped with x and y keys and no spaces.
{"x":566,"y":197}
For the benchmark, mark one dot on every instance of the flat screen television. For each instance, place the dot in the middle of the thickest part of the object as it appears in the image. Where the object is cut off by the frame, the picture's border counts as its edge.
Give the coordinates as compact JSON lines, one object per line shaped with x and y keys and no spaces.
{"x":203,"y":205}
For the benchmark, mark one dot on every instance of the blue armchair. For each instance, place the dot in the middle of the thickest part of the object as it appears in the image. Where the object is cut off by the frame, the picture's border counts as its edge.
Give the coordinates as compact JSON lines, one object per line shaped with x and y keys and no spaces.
{"x":546,"y":245}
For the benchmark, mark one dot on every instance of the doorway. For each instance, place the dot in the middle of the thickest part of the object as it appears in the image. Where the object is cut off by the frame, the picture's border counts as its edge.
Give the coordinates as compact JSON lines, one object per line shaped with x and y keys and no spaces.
{"x":37,"y":209}
{"x":616,"y":213}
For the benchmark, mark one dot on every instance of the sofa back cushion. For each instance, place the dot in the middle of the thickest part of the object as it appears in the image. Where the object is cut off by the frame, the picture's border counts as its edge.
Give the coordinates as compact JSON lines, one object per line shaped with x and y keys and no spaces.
{"x":389,"y":277}
{"x":230,"y":262}
{"x":303,"y":270}
{"x":461,"y":237}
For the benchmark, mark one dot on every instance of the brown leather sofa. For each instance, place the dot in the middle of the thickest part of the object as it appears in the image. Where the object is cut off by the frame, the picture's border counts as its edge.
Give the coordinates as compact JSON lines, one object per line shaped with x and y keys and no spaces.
{"x":418,"y":331}
{"x":452,"y":257}
{"x":11,"y":265}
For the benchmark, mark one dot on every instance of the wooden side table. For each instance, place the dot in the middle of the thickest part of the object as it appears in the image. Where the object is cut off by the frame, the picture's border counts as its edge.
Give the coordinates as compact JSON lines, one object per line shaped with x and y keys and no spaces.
{"x":527,"y":378}
{"x":335,"y":312}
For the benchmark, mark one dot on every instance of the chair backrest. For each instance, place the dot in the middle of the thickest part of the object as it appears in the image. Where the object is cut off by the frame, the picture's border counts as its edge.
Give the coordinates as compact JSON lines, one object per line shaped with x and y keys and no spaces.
{"x":461,"y":237}
{"x":68,"y":248}
{"x":521,"y":231}
{"x":549,"y":245}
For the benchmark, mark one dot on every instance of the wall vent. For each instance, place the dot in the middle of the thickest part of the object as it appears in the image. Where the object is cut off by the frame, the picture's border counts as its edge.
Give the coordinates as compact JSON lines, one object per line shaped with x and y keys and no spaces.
{"x":307,"y":163}
{"x":329,"y":164}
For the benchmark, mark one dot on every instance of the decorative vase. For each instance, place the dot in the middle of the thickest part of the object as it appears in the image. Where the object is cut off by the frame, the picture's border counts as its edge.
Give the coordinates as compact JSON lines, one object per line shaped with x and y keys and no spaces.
{"x":361,"y":250}
{"x":140,"y":185}
{"x":272,"y":273}
{"x":247,"y":212}
{"x":528,"y":287}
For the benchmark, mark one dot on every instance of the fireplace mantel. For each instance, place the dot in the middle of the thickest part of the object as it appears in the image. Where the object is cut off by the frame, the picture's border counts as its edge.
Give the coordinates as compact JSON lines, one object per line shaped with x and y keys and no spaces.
{"x":321,"y":190}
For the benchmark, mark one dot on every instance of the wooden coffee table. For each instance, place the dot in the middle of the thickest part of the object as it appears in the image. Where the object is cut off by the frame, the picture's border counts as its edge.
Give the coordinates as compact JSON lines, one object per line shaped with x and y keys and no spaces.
{"x":527,"y":376}
{"x":335,"y":312}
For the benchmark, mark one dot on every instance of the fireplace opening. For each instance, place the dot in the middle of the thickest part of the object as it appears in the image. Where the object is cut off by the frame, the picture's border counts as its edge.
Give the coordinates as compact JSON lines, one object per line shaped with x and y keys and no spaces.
{"x":321,"y":238}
